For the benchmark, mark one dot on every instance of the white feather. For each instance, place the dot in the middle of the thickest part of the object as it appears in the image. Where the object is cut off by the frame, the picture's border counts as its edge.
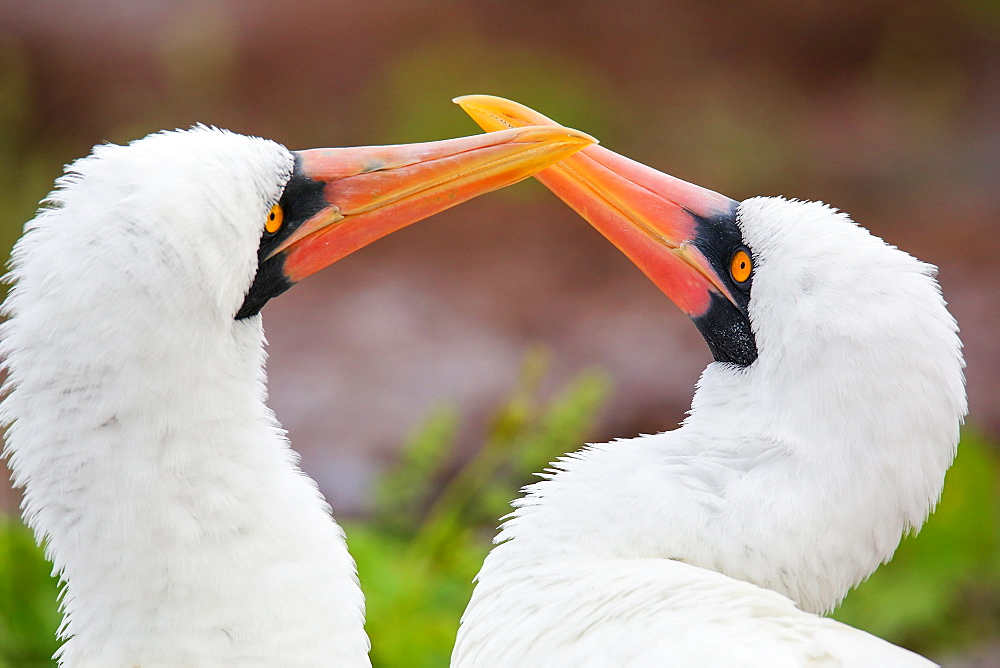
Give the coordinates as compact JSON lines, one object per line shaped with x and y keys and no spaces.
{"x":791,"y":480}
{"x":163,"y":487}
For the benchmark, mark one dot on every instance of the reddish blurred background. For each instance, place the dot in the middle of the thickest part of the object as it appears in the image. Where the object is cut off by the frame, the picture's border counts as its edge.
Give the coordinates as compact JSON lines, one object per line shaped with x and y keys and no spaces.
{"x":887,"y":110}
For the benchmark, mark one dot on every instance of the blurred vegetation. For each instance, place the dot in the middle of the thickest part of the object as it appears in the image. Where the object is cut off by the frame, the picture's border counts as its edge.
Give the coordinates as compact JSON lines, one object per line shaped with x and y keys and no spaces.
{"x":432,"y":525}
{"x":419,"y":553}
{"x":28,"y":614}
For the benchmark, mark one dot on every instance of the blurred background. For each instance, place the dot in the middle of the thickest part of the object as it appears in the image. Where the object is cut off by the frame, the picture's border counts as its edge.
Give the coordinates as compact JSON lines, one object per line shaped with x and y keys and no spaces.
{"x":425,"y":377}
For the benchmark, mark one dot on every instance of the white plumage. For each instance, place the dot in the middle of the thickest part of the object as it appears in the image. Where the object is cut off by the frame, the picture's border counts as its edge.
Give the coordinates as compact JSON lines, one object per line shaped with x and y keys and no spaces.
{"x":798,"y":474}
{"x":169,"y":498}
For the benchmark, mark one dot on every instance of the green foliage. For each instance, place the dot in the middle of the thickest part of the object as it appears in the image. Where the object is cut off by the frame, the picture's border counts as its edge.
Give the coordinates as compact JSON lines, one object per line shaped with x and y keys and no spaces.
{"x":417,"y":556}
{"x":28,"y":613}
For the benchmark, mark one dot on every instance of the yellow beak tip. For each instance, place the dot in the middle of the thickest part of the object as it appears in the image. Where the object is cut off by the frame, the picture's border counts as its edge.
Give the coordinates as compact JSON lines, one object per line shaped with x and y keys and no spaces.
{"x":494,"y":113}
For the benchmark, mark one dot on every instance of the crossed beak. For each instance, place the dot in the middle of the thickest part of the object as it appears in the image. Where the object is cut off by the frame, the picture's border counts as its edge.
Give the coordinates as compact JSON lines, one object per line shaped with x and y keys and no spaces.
{"x":653,"y":218}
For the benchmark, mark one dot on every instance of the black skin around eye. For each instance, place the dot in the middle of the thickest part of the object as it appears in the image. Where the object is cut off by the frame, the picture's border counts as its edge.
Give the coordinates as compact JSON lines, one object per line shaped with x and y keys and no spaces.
{"x":725,"y":326}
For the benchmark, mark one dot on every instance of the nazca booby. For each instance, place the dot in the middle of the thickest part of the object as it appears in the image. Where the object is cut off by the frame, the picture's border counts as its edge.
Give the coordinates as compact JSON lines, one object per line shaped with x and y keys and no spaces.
{"x":159,"y":481}
{"x":819,"y":436}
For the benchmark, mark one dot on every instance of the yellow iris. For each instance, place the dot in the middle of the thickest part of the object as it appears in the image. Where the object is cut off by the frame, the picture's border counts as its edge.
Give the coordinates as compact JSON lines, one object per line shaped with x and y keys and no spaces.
{"x":741,"y":266}
{"x":274,"y":219}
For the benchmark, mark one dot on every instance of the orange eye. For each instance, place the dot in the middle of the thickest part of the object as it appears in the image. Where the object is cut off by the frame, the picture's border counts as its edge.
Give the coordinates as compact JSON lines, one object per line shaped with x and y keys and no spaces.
{"x":741,"y":266}
{"x":274,"y":219}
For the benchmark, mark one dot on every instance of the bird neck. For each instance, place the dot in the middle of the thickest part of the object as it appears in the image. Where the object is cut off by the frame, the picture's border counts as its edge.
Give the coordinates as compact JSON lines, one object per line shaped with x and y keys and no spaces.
{"x":170,"y":502}
{"x":773,"y":480}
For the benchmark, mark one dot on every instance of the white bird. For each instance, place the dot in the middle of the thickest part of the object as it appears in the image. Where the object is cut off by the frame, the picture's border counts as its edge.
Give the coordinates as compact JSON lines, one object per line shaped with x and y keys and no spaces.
{"x":819,"y":436}
{"x":159,"y":481}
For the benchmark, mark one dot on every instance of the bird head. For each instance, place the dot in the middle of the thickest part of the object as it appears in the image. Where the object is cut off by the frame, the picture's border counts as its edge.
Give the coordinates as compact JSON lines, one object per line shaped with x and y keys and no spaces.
{"x":232,"y":221}
{"x":763,"y":273}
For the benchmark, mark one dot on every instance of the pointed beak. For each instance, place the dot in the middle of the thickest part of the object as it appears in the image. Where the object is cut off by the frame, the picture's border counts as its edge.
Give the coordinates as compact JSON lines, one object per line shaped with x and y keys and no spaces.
{"x":360,"y":194}
{"x":653,"y":218}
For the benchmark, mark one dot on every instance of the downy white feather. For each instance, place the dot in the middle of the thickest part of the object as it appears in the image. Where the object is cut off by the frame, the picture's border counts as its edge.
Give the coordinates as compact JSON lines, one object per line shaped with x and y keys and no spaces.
{"x":166,"y":493}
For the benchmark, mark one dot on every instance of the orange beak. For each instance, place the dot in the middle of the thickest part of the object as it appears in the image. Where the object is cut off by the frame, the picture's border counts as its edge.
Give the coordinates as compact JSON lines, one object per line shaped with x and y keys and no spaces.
{"x":372,"y":191}
{"x":341,"y":199}
{"x":651,"y":217}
